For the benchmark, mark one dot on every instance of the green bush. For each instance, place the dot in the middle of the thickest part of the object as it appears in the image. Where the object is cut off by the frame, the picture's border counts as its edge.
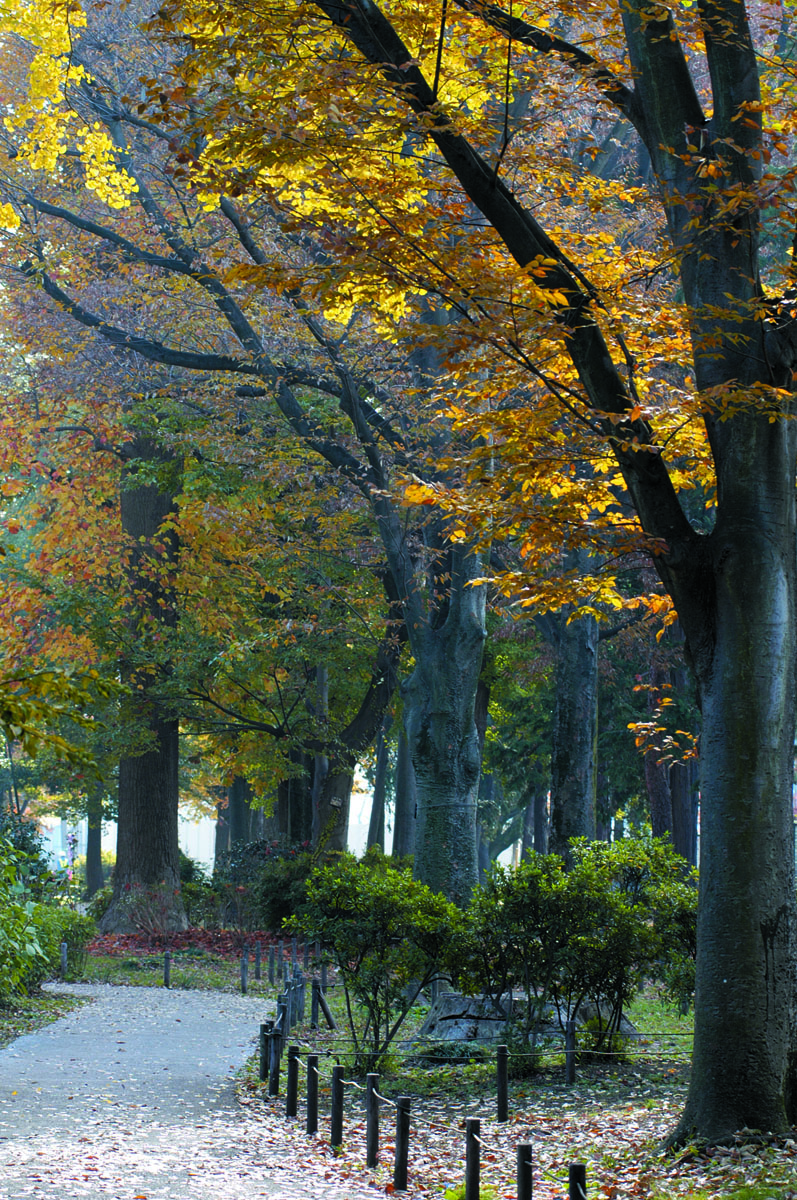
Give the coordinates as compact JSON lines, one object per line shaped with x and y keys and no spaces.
{"x":100,"y":903}
{"x":622,"y":913}
{"x":20,"y":948}
{"x":388,"y":936}
{"x":54,"y":925}
{"x":202,"y":903}
{"x":262,"y":883}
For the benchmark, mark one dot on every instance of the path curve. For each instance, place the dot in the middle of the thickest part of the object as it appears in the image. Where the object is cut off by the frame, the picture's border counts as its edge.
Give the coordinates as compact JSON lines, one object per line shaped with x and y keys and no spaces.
{"x":132,"y":1096}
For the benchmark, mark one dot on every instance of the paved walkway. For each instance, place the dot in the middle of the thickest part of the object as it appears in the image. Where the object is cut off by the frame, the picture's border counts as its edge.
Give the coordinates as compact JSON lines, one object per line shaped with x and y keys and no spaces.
{"x":132,"y":1097}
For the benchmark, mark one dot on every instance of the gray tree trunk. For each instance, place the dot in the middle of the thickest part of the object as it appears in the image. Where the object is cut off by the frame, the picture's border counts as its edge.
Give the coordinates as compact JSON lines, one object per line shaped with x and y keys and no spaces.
{"x":94,"y":874}
{"x":575,"y":733}
{"x":376,"y":824}
{"x":439,"y":702}
{"x":404,"y":819}
{"x":147,"y":852}
{"x":239,"y":811}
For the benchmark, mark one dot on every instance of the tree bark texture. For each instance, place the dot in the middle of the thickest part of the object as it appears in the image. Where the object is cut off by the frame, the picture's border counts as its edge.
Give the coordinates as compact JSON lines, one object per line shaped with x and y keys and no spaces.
{"x":376,"y":823}
{"x":147,"y":854}
{"x":94,"y":873}
{"x":405,"y":816}
{"x":439,"y":702}
{"x":575,"y":733}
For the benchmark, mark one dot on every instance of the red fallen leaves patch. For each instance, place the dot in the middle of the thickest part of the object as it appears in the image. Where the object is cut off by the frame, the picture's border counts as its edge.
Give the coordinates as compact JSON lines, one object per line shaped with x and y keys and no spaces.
{"x":224,"y":943}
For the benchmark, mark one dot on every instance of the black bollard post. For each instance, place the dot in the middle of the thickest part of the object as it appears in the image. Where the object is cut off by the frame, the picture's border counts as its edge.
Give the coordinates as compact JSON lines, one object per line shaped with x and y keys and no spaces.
{"x":312,"y":1094}
{"x":258,"y":955}
{"x":336,"y":1116}
{"x":502,"y":1081}
{"x":577,"y":1182}
{"x":294,"y":954}
{"x":280,"y":960}
{"x":525,"y":1180}
{"x":263,"y":1047}
{"x":472,"y":1157}
{"x":292,"y":1082}
{"x":315,"y":988}
{"x":271,"y":957}
{"x":301,"y":991}
{"x":570,"y":1052}
{"x":275,"y":1041}
{"x":324,"y":976}
{"x":371,"y":1120}
{"x":402,"y":1143}
{"x":245,"y":971}
{"x":167,"y":969}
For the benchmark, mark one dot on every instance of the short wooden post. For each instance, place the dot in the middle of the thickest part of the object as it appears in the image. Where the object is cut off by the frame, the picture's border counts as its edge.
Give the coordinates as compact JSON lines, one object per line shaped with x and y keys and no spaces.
{"x":64,"y":954}
{"x":525,"y":1180}
{"x":245,"y":971}
{"x":317,"y":951}
{"x":312,"y":1094}
{"x":322,"y":1000}
{"x":336,"y":1120}
{"x":287,"y":997}
{"x":263,"y":1047}
{"x":402,"y":1143}
{"x":472,"y":1157}
{"x":292,"y":1082}
{"x":502,"y":1083}
{"x":271,"y":957}
{"x":258,"y":955}
{"x":275,"y":1040}
{"x":570,"y":1052}
{"x":577,"y":1182}
{"x":301,"y":990}
{"x":306,"y":956}
{"x":294,"y":953}
{"x":167,"y":969}
{"x":371,"y":1120}
{"x":324,"y":982}
{"x":315,"y":988}
{"x":280,"y":960}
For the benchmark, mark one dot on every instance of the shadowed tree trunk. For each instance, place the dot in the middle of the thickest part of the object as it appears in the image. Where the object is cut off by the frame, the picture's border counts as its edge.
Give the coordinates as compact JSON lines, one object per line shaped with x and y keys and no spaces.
{"x":94,"y":874}
{"x":376,"y":824}
{"x":239,"y":810}
{"x":575,"y":733}
{"x":147,"y":852}
{"x":404,"y":820}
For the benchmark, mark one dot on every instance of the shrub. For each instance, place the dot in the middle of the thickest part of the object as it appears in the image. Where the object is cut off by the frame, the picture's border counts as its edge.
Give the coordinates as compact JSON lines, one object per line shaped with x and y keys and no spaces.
{"x":262,"y":882}
{"x":20,"y":948}
{"x":388,"y":935}
{"x":623,"y":913}
{"x":100,"y":903}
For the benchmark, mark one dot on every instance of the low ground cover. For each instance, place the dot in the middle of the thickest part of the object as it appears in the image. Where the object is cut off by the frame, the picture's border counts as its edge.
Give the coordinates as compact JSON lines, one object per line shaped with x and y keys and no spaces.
{"x":613,"y":1119}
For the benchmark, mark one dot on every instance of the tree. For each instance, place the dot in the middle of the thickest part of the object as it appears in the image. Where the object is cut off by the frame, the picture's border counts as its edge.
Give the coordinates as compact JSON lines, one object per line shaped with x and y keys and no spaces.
{"x":393,"y":82}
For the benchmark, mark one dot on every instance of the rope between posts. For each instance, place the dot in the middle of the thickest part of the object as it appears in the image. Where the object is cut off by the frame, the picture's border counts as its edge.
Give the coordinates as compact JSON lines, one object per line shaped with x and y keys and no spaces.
{"x":384,"y":1099}
{"x":353,"y":1083}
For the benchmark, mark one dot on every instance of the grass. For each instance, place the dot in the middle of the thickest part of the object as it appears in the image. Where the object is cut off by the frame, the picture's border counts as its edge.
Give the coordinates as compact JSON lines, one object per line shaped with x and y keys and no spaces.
{"x":26,"y":1014}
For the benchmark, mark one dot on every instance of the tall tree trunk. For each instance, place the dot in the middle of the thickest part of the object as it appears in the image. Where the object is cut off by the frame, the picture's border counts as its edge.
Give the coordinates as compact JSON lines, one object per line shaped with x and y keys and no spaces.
{"x":541,"y":822}
{"x":94,"y":873}
{"x":333,"y":807}
{"x":575,"y":732}
{"x":221,"y":843}
{"x":147,"y":854}
{"x":527,"y":839}
{"x":239,"y":811}
{"x":405,"y":816}
{"x":657,"y":785}
{"x":683,"y":790}
{"x":376,"y":824}
{"x":439,"y":700}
